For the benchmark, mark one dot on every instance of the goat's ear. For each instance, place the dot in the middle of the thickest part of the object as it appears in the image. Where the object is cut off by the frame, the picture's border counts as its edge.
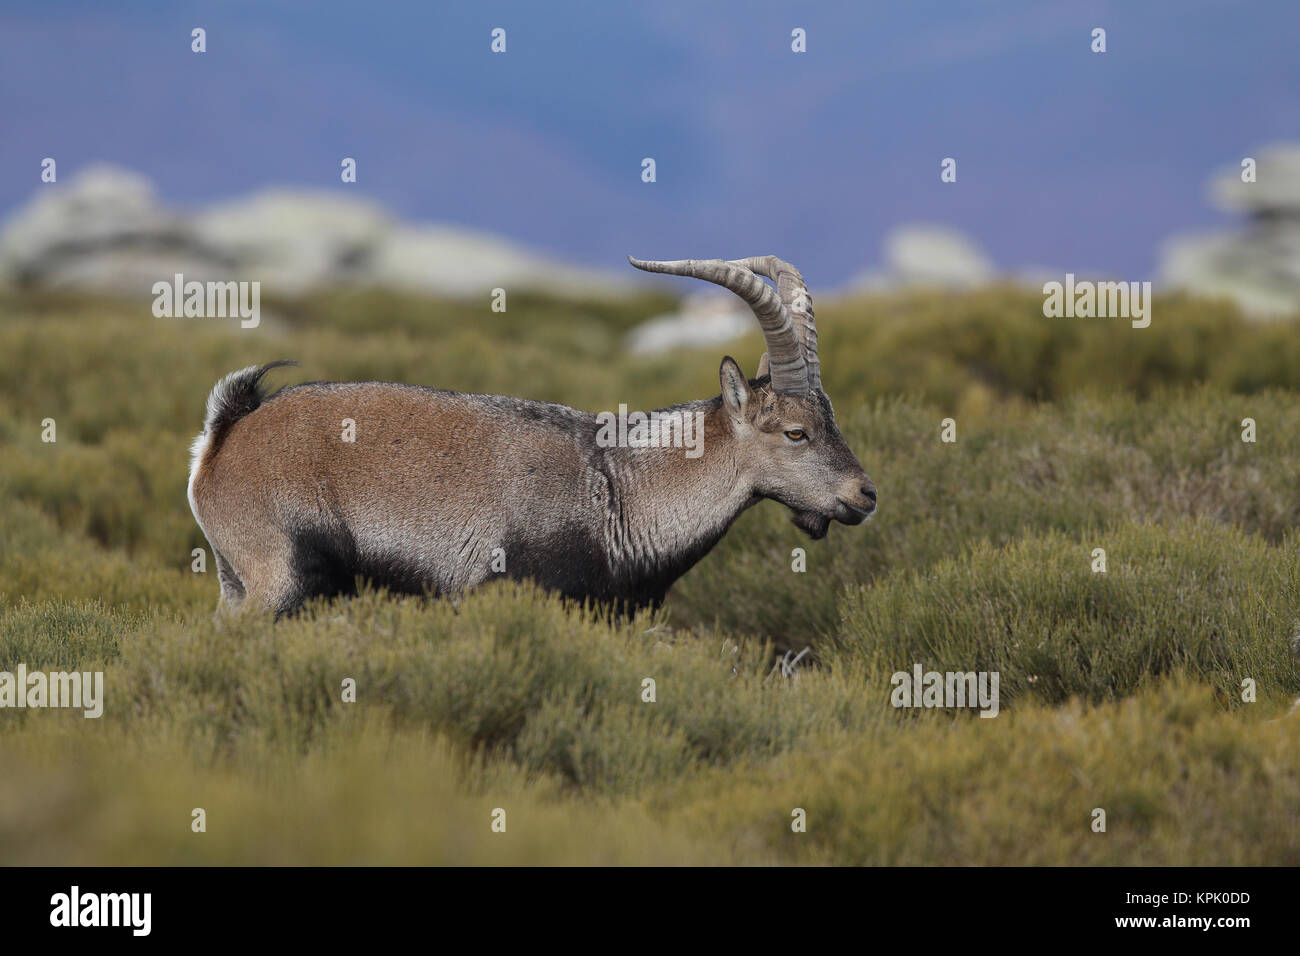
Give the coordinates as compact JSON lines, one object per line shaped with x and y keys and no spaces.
{"x":764,"y":366}
{"x":736,"y":392}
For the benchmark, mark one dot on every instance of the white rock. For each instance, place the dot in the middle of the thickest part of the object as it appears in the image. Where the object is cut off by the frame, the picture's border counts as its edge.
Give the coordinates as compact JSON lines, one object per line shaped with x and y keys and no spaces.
{"x":924,"y":255}
{"x":1259,"y":266}
{"x":1276,"y":188}
{"x":463,"y":263}
{"x":704,"y":319}
{"x":937,"y":256}
{"x":295,"y":240}
{"x":105,"y":228}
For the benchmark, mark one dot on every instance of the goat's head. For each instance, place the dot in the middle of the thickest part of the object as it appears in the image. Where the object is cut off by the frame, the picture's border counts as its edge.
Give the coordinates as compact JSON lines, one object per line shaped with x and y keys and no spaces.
{"x":785,"y":438}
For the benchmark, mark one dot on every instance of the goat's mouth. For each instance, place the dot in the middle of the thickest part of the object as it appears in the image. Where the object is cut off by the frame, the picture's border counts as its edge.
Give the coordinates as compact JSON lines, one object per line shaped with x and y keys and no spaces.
{"x":852,"y":514}
{"x":813,"y":522}
{"x":816,"y":523}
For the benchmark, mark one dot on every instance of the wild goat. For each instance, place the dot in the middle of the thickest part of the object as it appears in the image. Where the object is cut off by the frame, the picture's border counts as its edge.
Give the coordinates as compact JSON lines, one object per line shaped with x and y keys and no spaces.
{"x":439,"y":491}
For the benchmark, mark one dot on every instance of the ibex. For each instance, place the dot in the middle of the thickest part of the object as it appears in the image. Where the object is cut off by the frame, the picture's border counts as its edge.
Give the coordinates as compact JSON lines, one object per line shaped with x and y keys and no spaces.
{"x":439,"y":491}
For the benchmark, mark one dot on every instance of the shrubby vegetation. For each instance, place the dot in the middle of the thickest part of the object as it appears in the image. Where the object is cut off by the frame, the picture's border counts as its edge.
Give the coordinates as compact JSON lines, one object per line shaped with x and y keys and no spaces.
{"x":1120,"y":691}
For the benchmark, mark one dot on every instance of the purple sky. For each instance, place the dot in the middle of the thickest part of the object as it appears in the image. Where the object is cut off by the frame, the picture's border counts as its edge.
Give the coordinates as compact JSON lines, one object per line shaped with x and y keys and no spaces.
{"x":1065,"y":158}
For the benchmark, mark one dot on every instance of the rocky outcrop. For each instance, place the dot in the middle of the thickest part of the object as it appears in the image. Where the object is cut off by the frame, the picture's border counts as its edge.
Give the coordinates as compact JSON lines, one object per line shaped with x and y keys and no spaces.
{"x":932,"y":256}
{"x":462,"y":262}
{"x":1259,"y":266}
{"x":103,"y":230}
{"x":107,"y":230}
{"x":704,"y":319}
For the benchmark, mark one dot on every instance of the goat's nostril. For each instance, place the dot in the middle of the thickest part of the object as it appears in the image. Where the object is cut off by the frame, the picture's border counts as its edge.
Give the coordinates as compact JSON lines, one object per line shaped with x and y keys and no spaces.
{"x":869,"y":492}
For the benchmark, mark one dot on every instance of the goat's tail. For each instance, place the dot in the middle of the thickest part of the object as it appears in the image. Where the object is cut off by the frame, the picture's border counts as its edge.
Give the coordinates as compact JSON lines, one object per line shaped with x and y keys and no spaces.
{"x":236,"y":395}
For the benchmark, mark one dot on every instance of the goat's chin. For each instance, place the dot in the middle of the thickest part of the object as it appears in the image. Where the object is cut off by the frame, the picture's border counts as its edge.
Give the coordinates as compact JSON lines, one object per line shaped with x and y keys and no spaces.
{"x":812,"y":522}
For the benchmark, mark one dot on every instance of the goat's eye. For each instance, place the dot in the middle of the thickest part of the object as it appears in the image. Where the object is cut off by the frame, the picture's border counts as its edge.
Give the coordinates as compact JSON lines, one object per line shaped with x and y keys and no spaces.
{"x":796,"y":434}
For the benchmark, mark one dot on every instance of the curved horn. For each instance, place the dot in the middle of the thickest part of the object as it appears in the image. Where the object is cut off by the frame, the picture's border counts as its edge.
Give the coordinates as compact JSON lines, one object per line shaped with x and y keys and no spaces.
{"x":793,"y":290}
{"x":789,"y":369}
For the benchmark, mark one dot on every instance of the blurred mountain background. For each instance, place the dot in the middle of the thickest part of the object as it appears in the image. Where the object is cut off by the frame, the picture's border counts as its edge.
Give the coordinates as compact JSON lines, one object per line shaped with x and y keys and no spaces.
{"x":478,"y":170}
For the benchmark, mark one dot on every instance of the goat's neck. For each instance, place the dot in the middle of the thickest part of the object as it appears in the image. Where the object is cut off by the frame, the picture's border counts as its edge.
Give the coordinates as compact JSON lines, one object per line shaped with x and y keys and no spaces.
{"x":668,"y":509}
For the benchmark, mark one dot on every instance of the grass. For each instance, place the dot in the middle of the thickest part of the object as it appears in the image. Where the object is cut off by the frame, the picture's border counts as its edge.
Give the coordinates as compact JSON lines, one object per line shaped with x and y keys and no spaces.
{"x":1121,"y":691}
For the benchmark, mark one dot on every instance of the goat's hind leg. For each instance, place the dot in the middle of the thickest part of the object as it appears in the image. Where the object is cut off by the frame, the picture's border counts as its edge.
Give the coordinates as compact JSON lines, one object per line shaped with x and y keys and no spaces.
{"x":232,"y":588}
{"x":269,"y":584}
{"x":283,"y":573}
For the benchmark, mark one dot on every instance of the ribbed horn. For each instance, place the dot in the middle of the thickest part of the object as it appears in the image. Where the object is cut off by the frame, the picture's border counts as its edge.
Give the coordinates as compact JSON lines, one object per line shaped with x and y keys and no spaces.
{"x":786,"y":355}
{"x":793,"y":290}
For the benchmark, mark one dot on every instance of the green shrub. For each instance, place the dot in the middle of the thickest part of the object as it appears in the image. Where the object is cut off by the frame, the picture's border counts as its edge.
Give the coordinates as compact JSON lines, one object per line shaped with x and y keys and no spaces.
{"x":1120,"y":690}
